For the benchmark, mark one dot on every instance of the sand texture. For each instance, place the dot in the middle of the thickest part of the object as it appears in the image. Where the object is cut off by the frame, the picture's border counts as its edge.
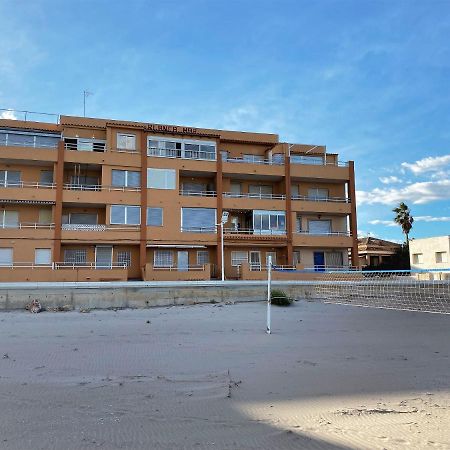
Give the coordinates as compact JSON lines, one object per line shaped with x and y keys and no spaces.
{"x":208,"y":377}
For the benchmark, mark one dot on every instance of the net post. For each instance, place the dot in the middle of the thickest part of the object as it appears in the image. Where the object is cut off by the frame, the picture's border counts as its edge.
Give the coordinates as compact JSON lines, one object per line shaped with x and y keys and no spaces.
{"x":269,"y":280}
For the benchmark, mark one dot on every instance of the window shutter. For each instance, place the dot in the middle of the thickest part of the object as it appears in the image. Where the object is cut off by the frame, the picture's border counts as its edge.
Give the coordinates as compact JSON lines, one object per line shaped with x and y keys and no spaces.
{"x":134,"y":179}
{"x":154,"y":217}
{"x":46,"y":177}
{"x":6,"y":256}
{"x":118,"y":178}
{"x":199,"y":219}
{"x":43,"y":256}
{"x":319,"y":226}
{"x":83,"y":219}
{"x":45,"y":216}
{"x":133,"y":215}
{"x":11,"y":219}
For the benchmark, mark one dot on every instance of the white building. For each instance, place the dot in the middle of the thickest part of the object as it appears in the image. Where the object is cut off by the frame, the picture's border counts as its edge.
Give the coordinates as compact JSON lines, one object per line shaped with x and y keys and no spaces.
{"x":430,"y":253}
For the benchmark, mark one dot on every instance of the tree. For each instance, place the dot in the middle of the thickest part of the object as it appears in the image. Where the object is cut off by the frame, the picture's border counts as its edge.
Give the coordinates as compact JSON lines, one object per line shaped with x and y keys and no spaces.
{"x":404,"y":218}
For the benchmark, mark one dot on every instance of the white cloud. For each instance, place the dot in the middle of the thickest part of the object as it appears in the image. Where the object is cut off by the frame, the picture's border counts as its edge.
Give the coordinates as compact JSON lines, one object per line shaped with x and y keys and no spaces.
{"x":417,"y":193}
{"x":388,"y":223}
{"x":389,"y":180}
{"x":431,"y":219}
{"x":8,"y":115}
{"x":429,"y":164}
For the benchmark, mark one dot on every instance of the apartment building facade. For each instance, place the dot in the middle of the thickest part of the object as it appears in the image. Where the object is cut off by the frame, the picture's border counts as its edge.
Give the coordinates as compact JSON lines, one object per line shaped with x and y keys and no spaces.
{"x":97,"y":199}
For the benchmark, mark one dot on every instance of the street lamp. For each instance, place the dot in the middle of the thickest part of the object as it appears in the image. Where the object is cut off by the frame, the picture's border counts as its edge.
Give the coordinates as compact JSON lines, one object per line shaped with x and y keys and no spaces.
{"x":223,"y":221}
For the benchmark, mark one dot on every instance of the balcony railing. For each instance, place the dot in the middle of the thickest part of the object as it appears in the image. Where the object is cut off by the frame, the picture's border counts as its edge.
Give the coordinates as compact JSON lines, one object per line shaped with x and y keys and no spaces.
{"x":256,"y":160}
{"x":22,"y":139}
{"x":101,"y":227}
{"x":174,"y":268}
{"x":27,"y":184}
{"x":95,"y":146}
{"x":65,"y":265}
{"x":199,"y":193}
{"x":98,"y":188}
{"x":182,"y":154}
{"x":27,"y":226}
{"x":198,"y":229}
{"x":321,"y":199}
{"x":325,"y":233}
{"x":255,"y":195}
{"x":314,"y":162}
{"x":252,"y":231}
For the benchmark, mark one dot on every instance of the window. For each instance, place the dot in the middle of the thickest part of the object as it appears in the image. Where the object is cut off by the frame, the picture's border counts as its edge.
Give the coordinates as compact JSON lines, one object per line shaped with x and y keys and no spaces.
{"x":45,"y":216}
{"x":193,"y":188}
{"x":125,"y":215}
{"x":317,"y":194}
{"x":6,"y":256}
{"x":125,"y":178}
{"x":181,"y":148}
{"x":126,"y":141}
{"x":46,"y":177}
{"x":154,"y":217}
{"x":83,"y":218}
{"x":295,"y":192}
{"x":235,"y":189}
{"x":334,"y":259}
{"x":9,"y":178}
{"x":441,"y":257}
{"x":269,"y":222}
{"x":297,"y":257}
{"x":224,"y":155}
{"x":253,"y":158}
{"x":237,"y":258}
{"x":161,"y":178}
{"x":124,"y":258}
{"x":9,"y":219}
{"x":198,"y":220}
{"x":311,"y":160}
{"x":298,"y":224}
{"x":255,"y":260}
{"x":85,"y":145}
{"x":319,"y":226}
{"x":75,"y":257}
{"x":260,"y":191}
{"x":163,"y":258}
{"x":43,"y":256}
{"x":273,"y":255}
{"x":28,"y":139}
{"x":202,"y":257}
{"x":417,"y":258}
{"x":84,"y":181}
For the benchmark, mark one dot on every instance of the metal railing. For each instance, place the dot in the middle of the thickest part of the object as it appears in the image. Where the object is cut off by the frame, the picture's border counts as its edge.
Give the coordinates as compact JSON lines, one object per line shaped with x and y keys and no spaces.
{"x":321,"y":199}
{"x":254,"y":231}
{"x":255,"y":195}
{"x":17,"y":114}
{"x":81,"y":147}
{"x":101,"y":227}
{"x":99,"y":187}
{"x":325,"y":233}
{"x":124,"y":150}
{"x":6,"y":141}
{"x":27,"y":225}
{"x":198,"y":193}
{"x":181,"y":154}
{"x":320,"y":163}
{"x":90,"y":265}
{"x":199,"y":229}
{"x":174,"y":268}
{"x":27,"y":184}
{"x":256,"y":160}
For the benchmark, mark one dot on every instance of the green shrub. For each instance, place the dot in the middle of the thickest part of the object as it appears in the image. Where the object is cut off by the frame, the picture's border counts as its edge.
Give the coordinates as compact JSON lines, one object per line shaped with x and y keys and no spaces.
{"x":280,"y":298}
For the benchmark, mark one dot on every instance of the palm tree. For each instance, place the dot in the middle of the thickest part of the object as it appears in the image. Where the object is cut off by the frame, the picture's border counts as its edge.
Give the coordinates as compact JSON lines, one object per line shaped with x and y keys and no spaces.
{"x":404,"y":218}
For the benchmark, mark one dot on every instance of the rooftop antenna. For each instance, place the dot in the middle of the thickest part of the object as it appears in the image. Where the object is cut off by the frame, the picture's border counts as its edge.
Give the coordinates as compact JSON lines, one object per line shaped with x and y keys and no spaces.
{"x":85,"y":94}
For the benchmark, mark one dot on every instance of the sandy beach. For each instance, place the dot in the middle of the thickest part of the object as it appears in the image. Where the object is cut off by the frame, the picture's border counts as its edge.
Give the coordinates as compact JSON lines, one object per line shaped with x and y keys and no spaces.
{"x":208,"y":377}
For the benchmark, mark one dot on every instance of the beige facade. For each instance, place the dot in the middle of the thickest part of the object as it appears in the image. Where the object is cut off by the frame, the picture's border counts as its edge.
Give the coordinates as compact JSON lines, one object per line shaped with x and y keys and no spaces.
{"x":108,"y":200}
{"x":430,"y":253}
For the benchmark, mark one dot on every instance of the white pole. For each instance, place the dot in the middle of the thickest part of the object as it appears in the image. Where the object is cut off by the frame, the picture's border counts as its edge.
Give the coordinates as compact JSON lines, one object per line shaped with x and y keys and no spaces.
{"x":222,"y":255}
{"x":269,"y":279}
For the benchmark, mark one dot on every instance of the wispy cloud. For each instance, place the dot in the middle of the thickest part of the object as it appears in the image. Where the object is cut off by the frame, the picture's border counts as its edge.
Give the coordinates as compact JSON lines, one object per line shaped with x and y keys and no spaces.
{"x":390,"y":179}
{"x":8,"y":115}
{"x":388,"y":223}
{"x":429,"y":164}
{"x":431,"y":219}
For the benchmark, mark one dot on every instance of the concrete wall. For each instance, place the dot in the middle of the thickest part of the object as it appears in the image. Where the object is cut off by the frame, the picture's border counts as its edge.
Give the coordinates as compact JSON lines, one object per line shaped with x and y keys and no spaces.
{"x":428,"y":247}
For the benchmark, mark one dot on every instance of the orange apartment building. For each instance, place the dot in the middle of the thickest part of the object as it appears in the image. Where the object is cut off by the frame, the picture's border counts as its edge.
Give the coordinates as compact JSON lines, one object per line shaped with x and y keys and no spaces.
{"x":98,"y":200}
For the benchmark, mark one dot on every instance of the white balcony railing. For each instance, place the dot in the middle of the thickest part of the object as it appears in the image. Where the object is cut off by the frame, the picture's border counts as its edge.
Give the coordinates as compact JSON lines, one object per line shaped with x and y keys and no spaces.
{"x":255,"y":195}
{"x":316,"y":162}
{"x":198,"y":193}
{"x":321,"y":199}
{"x":181,"y":154}
{"x":27,"y":225}
{"x":255,"y":160}
{"x":27,"y":184}
{"x":100,"y":188}
{"x":101,"y":227}
{"x":190,"y":268}
{"x":253,"y":231}
{"x":198,"y":229}
{"x":325,"y":233}
{"x":64,"y":265}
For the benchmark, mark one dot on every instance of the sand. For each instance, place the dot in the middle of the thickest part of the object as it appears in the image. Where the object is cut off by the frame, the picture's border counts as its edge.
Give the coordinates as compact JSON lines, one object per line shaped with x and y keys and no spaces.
{"x":208,"y":377}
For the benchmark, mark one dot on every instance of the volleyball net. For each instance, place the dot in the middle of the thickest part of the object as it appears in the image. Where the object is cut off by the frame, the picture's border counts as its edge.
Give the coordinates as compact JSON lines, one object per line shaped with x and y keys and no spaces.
{"x":415,"y":290}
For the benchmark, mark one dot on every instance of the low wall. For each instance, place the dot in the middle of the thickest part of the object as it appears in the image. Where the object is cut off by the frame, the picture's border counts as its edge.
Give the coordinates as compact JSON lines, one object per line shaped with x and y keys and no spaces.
{"x":41,"y":274}
{"x":152,"y":274}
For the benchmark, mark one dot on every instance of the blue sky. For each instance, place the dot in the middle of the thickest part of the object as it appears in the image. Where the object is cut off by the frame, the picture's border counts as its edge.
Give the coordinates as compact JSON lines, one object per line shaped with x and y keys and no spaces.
{"x":369,"y":79}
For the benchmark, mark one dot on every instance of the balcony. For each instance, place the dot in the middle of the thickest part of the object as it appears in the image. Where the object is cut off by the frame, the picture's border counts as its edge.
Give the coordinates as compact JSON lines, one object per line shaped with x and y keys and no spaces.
{"x":253,"y":164}
{"x":251,"y":234}
{"x":26,"y":230}
{"x":325,"y":239}
{"x":249,"y":201}
{"x":255,"y":159}
{"x":100,"y":194}
{"x":198,"y":193}
{"x":330,"y":171}
{"x":28,"y":191}
{"x":332,"y":205}
{"x":100,"y":233}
